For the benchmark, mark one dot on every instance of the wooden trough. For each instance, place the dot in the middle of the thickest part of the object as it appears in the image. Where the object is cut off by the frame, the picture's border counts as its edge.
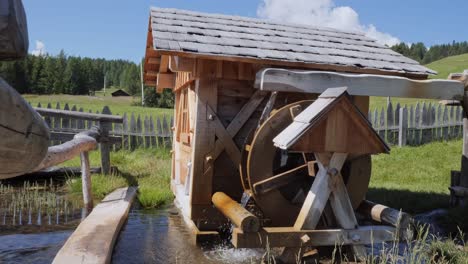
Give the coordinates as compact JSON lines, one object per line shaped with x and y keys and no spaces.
{"x":257,"y":121}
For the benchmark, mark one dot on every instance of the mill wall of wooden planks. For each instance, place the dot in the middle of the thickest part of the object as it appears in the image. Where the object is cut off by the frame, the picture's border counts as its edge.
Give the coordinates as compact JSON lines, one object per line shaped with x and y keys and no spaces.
{"x":136,"y":131}
{"x":417,"y":124}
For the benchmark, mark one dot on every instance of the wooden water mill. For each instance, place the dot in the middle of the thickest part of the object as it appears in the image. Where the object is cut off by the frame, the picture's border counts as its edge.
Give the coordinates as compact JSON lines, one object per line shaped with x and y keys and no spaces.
{"x":271,"y":132}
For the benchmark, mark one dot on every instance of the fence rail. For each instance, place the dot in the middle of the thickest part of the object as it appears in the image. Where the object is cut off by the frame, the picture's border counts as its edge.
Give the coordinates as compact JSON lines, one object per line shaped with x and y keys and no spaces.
{"x":417,"y":124}
{"x":134,"y":132}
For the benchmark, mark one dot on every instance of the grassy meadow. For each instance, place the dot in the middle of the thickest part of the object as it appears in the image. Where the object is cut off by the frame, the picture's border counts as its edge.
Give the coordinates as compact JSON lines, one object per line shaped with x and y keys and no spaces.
{"x":117,"y":105}
{"x":449,"y":65}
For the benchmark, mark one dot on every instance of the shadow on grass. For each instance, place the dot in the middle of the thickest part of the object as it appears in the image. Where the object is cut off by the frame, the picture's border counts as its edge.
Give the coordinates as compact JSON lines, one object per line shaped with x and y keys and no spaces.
{"x":129,"y":178}
{"x":408,"y":201}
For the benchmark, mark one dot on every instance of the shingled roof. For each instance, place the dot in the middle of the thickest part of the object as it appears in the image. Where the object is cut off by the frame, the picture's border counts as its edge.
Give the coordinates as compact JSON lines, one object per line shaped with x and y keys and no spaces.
{"x":182,"y":32}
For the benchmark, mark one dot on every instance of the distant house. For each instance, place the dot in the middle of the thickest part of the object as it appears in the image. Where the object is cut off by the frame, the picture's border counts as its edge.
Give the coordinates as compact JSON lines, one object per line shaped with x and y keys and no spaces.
{"x":119,"y":92}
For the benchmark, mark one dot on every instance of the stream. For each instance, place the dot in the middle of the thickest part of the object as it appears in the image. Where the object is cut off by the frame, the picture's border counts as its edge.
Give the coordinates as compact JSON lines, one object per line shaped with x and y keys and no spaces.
{"x":156,"y":236}
{"x":148,"y":236}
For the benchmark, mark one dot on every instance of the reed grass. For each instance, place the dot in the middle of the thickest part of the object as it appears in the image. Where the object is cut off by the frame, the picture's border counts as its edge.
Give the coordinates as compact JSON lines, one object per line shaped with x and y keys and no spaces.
{"x":36,"y":204}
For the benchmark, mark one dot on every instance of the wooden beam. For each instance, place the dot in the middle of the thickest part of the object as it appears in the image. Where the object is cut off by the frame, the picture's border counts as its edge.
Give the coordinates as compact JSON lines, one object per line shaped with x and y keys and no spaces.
{"x":79,"y":115}
{"x":164,"y":66}
{"x":239,"y":120}
{"x":294,"y":64}
{"x":292,"y":238}
{"x":165,"y":80}
{"x":152,"y":73}
{"x":224,"y":138}
{"x":181,"y":64}
{"x":155,"y":61}
{"x":363,"y":84}
{"x":344,"y":213}
{"x":204,"y":134}
{"x":94,"y":238}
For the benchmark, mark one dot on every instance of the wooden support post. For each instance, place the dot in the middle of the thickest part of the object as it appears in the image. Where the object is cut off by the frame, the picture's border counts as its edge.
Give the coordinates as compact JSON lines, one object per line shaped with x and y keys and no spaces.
{"x":402,"y":127}
{"x":204,"y":142}
{"x":104,"y":144}
{"x":463,"y":181}
{"x":86,"y":182}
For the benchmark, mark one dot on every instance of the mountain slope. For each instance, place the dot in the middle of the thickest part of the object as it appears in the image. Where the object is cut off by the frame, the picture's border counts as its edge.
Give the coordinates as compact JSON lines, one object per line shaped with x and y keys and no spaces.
{"x":449,"y":65}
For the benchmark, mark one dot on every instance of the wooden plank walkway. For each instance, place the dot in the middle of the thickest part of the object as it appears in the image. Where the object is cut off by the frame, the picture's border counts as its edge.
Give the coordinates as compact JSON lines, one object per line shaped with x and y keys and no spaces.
{"x":94,"y":239}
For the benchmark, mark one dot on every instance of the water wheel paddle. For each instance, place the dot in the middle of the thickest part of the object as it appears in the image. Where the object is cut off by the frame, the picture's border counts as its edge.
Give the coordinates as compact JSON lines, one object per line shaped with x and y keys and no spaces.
{"x":279,"y":180}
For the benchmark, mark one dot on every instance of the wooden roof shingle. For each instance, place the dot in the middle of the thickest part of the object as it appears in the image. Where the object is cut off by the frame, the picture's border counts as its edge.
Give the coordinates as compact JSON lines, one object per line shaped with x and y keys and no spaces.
{"x":182,"y":31}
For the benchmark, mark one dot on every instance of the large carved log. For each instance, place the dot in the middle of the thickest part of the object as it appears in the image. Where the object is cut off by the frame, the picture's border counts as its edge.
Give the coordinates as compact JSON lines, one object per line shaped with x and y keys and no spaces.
{"x":24,"y":136}
{"x":13,"y":30}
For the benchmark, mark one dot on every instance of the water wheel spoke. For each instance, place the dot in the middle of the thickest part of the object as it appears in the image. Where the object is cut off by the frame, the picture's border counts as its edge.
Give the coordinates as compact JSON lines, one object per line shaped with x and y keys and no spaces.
{"x":279,"y":180}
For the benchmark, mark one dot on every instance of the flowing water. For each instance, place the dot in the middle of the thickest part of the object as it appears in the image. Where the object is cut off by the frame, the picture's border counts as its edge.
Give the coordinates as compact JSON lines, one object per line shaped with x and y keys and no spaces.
{"x":157,"y":236}
{"x":37,"y":218}
{"x":31,"y":248}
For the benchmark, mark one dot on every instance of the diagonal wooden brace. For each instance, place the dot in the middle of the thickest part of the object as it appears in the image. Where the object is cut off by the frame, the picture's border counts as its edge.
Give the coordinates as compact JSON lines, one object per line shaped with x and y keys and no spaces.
{"x":239,"y":120}
{"x":328,"y":186}
{"x":319,"y":192}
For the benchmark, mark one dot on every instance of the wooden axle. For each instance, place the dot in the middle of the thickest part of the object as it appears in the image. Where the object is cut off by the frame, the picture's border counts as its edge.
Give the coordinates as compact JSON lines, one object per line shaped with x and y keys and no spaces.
{"x":385,"y":215}
{"x":239,"y":216}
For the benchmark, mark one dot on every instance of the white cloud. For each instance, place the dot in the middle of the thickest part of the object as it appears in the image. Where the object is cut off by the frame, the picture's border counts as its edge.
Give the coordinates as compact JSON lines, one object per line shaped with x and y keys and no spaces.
{"x":321,"y":13}
{"x":40,"y":49}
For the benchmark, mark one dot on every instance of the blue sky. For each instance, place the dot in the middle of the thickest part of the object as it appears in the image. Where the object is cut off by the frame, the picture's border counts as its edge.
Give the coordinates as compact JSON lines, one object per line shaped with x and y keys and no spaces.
{"x":116,"y":29}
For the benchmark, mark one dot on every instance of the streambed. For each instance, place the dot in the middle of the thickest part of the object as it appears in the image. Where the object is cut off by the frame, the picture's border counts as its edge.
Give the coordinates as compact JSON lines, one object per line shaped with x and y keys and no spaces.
{"x":157,"y":236}
{"x":36,"y":219}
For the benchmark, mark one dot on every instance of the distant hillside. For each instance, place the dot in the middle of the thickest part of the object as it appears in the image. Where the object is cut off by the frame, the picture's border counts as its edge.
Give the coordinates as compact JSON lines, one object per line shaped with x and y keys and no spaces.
{"x":449,"y":65}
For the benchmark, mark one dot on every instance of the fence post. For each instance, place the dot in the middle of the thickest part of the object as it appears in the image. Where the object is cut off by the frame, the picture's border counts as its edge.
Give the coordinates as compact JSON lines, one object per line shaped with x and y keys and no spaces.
{"x":86,"y":182}
{"x":402,"y":126}
{"x":133,"y":137}
{"x":464,"y":162}
{"x":390,"y":123}
{"x":104,"y":145}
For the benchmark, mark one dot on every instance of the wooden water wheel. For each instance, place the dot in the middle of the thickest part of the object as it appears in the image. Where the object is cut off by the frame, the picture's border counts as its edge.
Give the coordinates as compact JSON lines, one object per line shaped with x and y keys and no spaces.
{"x":279,"y":180}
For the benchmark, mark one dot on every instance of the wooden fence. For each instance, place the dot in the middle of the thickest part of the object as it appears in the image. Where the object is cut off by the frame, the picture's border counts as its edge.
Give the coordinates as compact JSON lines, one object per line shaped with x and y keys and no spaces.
{"x":135,"y":132}
{"x":417,"y":124}
{"x":408,"y":125}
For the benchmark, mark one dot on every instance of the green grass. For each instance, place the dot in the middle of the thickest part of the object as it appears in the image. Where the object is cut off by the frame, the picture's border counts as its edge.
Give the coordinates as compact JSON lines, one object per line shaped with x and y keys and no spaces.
{"x":118,"y":105}
{"x":445,"y":66}
{"x":381,"y":102}
{"x":415,"y":179}
{"x":147,"y":168}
